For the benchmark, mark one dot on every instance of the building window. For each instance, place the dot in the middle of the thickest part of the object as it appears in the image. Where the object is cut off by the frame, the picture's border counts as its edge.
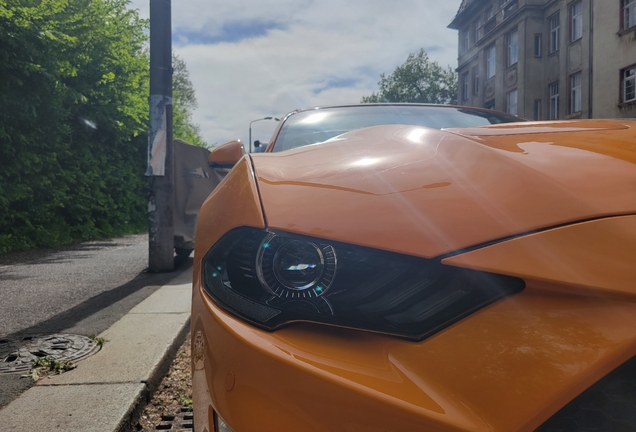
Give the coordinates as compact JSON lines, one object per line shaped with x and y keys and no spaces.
{"x":554,"y":100}
{"x":465,"y":88}
{"x":509,"y":7}
{"x":537,"y":44}
{"x":629,"y":84}
{"x":512,"y":40}
{"x":489,"y":20}
{"x":575,"y":93}
{"x":537,"y":109}
{"x":554,"y":32}
{"x":489,"y":13}
{"x":576,"y":13}
{"x":489,"y":26}
{"x":478,"y":29}
{"x":475,"y":80}
{"x":490,"y":62}
{"x":490,"y":104}
{"x":467,"y":39}
{"x":511,"y":102}
{"x":629,"y":14}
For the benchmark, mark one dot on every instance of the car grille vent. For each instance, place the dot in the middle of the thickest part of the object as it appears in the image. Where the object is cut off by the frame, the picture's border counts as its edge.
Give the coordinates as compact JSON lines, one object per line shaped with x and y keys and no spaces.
{"x":609,"y":405}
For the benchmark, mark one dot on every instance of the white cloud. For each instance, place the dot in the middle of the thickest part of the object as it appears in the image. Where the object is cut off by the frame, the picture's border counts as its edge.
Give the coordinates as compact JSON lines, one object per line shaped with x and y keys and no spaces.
{"x":304,"y":53}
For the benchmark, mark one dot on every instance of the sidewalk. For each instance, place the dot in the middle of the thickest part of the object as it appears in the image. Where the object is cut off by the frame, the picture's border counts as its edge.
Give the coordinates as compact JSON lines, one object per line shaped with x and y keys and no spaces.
{"x":108,"y":390}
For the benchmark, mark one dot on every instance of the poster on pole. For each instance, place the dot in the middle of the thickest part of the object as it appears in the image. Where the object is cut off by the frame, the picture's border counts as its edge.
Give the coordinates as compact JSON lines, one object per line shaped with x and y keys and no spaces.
{"x":158,"y":137}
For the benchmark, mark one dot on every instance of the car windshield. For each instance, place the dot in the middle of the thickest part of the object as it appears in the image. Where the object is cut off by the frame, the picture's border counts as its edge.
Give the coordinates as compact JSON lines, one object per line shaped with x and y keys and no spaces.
{"x":314,"y":126}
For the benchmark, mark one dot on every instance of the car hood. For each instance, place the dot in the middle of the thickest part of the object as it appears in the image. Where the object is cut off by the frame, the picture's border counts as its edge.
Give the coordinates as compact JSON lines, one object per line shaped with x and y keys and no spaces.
{"x":428,"y":192}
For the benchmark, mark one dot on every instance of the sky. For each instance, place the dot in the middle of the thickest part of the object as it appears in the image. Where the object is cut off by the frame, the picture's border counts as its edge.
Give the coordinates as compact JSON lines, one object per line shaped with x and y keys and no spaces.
{"x":251,"y":59}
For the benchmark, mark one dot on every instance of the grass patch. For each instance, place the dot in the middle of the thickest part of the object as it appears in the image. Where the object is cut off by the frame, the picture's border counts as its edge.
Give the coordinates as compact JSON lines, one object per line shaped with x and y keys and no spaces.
{"x":49,"y":366}
{"x":99,"y":341}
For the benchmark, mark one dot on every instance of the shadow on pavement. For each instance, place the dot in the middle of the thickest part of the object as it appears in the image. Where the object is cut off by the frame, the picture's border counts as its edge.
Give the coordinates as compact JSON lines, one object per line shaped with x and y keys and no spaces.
{"x":45,"y":256}
{"x":100,"y":302}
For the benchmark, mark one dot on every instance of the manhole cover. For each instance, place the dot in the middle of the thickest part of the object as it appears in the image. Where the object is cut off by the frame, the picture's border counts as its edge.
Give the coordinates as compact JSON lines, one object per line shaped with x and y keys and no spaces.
{"x":16,"y":355}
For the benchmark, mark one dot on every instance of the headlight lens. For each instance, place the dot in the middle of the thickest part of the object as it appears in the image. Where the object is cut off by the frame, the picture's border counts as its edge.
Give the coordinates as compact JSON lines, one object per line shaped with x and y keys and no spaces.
{"x":285,"y":265}
{"x":271,"y":279}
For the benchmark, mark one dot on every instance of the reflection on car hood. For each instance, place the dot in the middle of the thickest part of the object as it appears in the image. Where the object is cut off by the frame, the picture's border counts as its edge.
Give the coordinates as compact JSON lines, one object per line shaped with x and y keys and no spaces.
{"x":427,"y":192}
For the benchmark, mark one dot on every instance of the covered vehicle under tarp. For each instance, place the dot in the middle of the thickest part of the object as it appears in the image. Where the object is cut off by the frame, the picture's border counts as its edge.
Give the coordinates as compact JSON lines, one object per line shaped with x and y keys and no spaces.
{"x":194,"y":180}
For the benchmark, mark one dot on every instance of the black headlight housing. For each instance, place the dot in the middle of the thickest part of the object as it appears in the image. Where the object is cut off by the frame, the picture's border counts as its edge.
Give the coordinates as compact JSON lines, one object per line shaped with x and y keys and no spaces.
{"x":271,"y":279}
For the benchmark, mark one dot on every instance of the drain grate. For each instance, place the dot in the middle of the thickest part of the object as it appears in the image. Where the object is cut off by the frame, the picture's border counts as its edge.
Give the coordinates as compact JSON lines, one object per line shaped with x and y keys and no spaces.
{"x":183,"y":421}
{"x":16,"y":355}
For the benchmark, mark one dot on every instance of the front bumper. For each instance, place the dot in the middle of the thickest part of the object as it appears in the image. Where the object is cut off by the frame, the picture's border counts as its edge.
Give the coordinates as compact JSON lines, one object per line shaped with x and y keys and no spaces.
{"x":508,"y":367}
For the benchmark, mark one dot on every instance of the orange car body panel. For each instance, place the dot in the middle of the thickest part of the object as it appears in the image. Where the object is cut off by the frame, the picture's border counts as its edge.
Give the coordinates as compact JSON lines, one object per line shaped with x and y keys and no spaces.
{"x":507,"y":367}
{"x":447,"y":192}
{"x":596,"y":255}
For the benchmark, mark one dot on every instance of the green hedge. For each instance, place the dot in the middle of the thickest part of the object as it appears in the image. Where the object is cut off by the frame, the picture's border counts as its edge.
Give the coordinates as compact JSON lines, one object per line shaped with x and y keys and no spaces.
{"x":73,"y":121}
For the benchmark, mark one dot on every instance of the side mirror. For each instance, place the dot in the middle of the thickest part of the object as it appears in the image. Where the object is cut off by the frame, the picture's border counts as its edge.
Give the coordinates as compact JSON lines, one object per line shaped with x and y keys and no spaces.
{"x":226,"y":155}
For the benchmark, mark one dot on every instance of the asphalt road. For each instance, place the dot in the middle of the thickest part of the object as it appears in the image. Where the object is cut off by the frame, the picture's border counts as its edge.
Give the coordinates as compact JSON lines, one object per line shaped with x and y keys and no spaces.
{"x":82,"y":289}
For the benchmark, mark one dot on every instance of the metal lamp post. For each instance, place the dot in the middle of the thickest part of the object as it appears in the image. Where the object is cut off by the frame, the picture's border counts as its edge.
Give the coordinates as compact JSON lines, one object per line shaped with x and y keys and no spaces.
{"x":264,"y":118}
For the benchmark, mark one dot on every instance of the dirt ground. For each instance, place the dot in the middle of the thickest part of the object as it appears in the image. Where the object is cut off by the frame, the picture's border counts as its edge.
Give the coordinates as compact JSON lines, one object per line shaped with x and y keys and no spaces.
{"x":173,"y":395}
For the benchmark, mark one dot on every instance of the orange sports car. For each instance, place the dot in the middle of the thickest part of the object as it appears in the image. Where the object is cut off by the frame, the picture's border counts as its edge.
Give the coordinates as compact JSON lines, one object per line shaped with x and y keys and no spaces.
{"x":419,"y":268}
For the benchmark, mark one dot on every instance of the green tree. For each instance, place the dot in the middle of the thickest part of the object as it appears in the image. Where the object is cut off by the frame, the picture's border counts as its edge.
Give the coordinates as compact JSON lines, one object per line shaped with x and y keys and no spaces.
{"x":184,"y":102}
{"x":73,"y":92}
{"x":418,"y":80}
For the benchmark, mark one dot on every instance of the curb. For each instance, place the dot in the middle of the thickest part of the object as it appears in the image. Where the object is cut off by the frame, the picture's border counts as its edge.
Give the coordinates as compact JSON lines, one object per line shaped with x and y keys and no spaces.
{"x":130,"y":420}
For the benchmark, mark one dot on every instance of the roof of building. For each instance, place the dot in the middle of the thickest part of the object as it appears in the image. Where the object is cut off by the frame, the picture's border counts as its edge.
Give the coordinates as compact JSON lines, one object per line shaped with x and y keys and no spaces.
{"x":462,"y":7}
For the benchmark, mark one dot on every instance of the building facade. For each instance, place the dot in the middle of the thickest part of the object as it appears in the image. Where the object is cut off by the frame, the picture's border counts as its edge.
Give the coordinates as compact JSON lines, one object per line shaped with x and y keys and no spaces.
{"x":548,"y":59}
{"x":614,"y":79}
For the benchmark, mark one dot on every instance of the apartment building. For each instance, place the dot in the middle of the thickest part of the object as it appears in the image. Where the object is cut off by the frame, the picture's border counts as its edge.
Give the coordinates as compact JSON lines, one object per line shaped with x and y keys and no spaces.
{"x":548,"y":59}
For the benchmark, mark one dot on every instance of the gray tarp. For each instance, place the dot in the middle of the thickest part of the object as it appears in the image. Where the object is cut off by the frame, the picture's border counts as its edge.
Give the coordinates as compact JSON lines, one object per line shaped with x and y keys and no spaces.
{"x":194,"y":180}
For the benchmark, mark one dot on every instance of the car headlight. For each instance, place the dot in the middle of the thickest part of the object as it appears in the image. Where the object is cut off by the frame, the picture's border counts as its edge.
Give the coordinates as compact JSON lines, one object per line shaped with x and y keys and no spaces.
{"x":272,"y":278}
